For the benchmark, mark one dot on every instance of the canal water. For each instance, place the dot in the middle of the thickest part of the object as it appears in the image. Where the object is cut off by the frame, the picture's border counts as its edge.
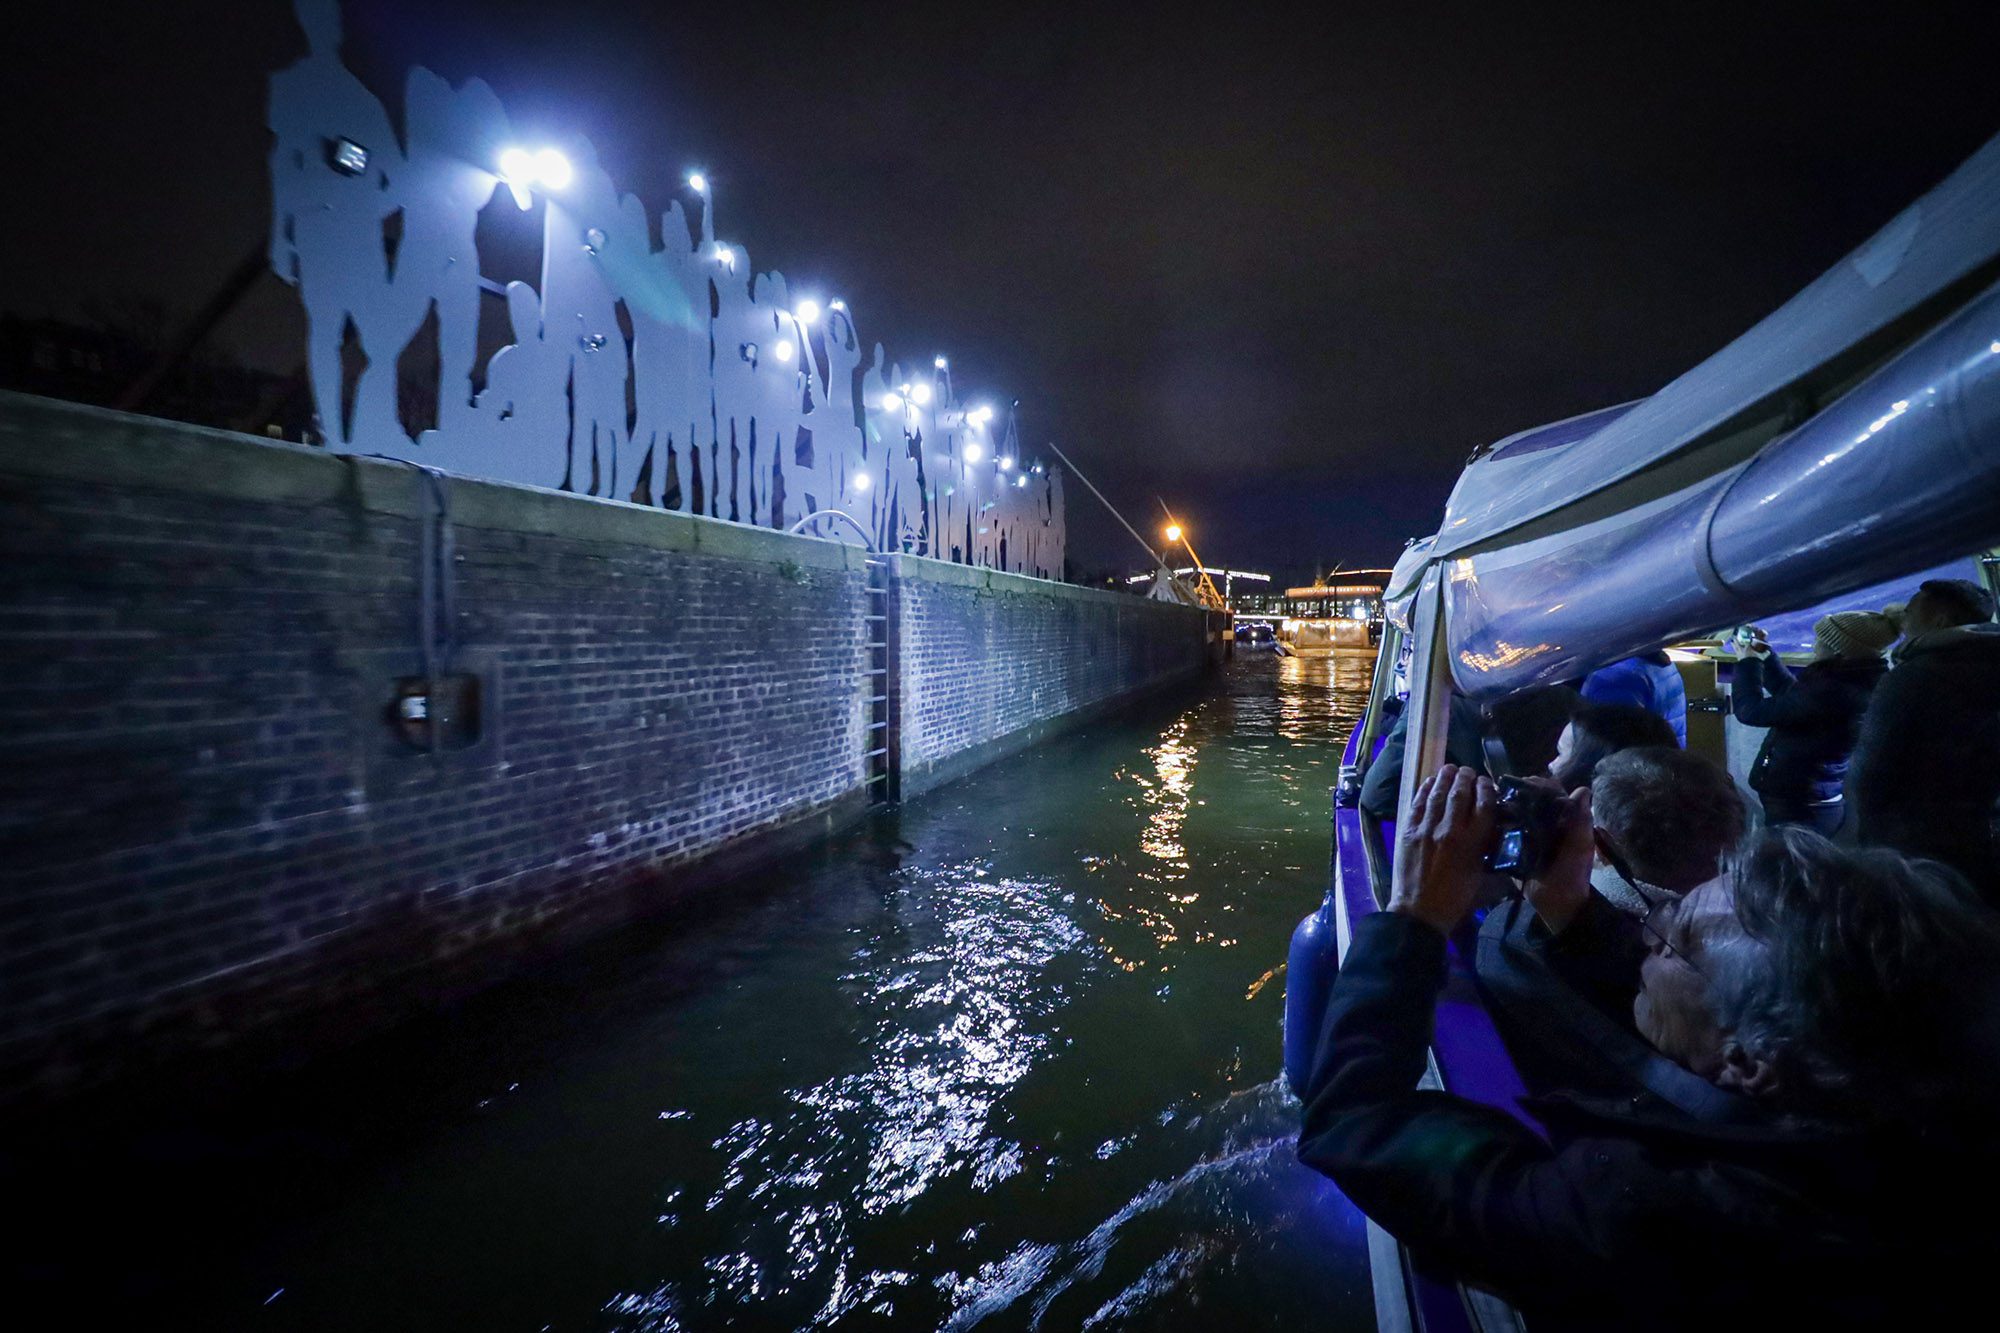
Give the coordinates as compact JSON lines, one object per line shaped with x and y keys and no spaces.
{"x":1008,"y":1059}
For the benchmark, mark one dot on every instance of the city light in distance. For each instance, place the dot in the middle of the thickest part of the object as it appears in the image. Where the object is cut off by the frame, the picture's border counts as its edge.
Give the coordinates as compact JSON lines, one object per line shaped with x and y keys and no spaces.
{"x":697,"y":182}
{"x":920,"y":394}
{"x":980,"y":415}
{"x":807,"y":310}
{"x":942,"y":364}
{"x":1173,"y":532}
{"x":862,"y":481}
{"x":784,"y":350}
{"x":973,"y":453}
{"x":836,"y":305}
{"x":1021,"y":480}
{"x":892,"y":401}
{"x":725,"y":255}
{"x":1006,"y":465}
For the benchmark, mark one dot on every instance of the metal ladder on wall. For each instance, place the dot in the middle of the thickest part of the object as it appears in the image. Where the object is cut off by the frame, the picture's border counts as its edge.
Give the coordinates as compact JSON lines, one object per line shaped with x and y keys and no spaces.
{"x":878,"y":766}
{"x":879,"y":775}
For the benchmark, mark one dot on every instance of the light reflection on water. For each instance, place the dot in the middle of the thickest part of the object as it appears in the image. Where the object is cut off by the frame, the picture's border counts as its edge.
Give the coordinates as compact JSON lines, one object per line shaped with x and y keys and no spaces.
{"x":970,"y":1003}
{"x":1006,"y":1062}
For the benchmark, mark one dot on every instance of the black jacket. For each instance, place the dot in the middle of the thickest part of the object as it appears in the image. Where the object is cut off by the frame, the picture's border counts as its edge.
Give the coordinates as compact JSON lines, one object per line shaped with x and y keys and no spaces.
{"x":1813,"y":718}
{"x":1625,"y":1214}
{"x":1925,"y":778}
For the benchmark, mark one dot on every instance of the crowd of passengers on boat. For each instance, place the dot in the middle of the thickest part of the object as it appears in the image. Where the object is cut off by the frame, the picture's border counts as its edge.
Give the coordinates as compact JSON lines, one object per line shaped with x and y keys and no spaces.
{"x":1659,"y":980}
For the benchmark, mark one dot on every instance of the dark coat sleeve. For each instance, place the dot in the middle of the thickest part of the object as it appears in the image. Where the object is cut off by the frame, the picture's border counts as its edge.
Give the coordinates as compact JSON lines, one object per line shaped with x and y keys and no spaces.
{"x":1464,"y":1183}
{"x":1598,"y":956}
{"x":1762,"y":695}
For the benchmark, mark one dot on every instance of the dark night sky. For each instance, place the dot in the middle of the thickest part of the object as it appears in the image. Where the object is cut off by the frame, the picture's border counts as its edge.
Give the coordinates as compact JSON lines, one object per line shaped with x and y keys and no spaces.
{"x":1282,"y":268}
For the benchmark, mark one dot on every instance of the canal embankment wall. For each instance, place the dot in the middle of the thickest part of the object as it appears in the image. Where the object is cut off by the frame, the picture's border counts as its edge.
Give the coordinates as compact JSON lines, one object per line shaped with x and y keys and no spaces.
{"x":217,"y":818}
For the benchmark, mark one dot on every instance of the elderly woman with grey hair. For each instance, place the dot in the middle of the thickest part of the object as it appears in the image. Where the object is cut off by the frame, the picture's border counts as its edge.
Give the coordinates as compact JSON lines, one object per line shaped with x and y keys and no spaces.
{"x":1828,"y":998}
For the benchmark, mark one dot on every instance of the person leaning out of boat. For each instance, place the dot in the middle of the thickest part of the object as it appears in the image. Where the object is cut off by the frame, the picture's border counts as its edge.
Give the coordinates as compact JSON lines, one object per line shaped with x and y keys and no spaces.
{"x":1813,"y":716}
{"x":1925,"y":778}
{"x":1840,"y":999}
{"x":1560,"y":982}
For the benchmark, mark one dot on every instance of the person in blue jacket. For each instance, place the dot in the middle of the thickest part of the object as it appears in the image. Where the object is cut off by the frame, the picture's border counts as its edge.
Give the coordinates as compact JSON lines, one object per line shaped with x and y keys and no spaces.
{"x":1651,"y":682}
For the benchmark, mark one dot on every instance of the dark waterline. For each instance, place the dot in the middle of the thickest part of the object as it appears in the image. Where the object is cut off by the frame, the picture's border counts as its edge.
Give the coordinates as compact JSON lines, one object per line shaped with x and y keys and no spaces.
{"x":1007,"y":1059}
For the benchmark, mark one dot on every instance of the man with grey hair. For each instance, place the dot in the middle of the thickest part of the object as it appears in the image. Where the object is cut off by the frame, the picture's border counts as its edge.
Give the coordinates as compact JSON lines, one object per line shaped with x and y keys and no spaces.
{"x":1661,"y":823}
{"x":1664,"y":818}
{"x":1823,"y":993}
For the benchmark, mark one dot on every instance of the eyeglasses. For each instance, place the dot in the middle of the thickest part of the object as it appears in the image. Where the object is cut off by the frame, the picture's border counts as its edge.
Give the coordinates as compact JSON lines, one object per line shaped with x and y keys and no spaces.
{"x":1656,"y":902}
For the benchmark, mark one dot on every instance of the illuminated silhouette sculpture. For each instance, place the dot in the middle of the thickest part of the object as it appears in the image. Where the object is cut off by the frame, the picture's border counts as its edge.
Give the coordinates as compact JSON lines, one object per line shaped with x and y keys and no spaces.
{"x":674,"y":375}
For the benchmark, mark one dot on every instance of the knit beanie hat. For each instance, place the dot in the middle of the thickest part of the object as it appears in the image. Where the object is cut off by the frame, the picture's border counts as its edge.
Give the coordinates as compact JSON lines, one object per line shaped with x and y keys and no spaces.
{"x":1860,"y":634}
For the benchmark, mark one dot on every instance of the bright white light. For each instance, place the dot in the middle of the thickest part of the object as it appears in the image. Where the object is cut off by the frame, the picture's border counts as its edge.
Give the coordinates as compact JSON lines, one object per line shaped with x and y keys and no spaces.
{"x":517,"y":166}
{"x":892,"y":402}
{"x":973,"y":453}
{"x":942,"y":364}
{"x":784,"y":350}
{"x":920,"y":394}
{"x":861,"y":481}
{"x":1021,"y":481}
{"x":1038,"y":469}
{"x":981,"y":415}
{"x":1006,"y":465}
{"x":697,"y":182}
{"x":552,"y":169}
{"x":807,"y":310}
{"x":725,"y":255}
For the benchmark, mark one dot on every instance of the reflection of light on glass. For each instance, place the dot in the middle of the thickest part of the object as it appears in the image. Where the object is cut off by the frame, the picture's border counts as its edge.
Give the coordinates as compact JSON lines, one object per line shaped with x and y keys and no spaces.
{"x":1505,"y":655}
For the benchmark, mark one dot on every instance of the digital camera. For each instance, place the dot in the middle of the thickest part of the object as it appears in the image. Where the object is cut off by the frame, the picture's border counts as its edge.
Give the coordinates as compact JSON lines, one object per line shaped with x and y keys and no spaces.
{"x":1530,"y":817}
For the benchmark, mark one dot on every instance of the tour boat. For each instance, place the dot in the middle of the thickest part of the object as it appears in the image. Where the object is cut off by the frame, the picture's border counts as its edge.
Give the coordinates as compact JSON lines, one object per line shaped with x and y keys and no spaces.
{"x":1842,"y":449}
{"x":1323,"y":619}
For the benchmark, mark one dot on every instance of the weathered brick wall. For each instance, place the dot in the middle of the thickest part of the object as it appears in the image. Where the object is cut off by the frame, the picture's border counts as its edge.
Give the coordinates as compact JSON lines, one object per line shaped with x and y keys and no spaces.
{"x":987,"y":658}
{"x":207,"y":822}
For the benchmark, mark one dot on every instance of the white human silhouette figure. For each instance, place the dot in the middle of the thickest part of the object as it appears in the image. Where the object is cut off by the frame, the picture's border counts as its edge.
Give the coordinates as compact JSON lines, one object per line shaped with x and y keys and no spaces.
{"x":522,"y":415}
{"x":621,"y":351}
{"x":456,"y":136}
{"x":669,"y":309}
{"x":326,"y":227}
{"x":588,"y":235}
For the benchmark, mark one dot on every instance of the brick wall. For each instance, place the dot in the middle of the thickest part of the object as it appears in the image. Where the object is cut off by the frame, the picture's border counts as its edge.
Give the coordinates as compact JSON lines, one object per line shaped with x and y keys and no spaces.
{"x":986,"y":660}
{"x":208,"y":823}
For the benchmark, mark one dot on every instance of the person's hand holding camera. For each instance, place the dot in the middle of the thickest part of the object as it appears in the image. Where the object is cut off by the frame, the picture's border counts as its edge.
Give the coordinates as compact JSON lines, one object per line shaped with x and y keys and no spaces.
{"x":1562,"y":887}
{"x":1440,"y":852}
